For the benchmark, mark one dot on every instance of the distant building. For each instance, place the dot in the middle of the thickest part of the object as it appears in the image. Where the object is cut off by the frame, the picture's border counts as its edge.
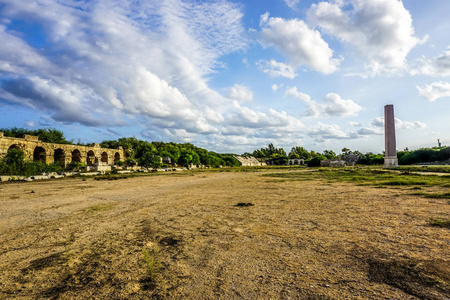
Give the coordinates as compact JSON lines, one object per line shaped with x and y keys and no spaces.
{"x":296,"y":161}
{"x":248,"y":161}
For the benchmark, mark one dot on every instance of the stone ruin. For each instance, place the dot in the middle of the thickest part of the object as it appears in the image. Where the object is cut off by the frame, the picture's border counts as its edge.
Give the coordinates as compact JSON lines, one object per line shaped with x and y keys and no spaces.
{"x":296,"y":161}
{"x":248,"y":161}
{"x":94,"y":157}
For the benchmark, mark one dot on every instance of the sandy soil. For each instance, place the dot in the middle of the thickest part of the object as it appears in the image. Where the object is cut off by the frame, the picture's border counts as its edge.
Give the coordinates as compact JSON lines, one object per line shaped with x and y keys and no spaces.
{"x":74,"y":239}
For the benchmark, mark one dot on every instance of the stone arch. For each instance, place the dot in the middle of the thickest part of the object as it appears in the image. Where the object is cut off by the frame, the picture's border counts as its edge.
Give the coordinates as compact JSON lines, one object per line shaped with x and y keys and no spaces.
{"x":39,"y":154}
{"x":91,"y":159}
{"x":296,"y":162}
{"x":14,"y":146}
{"x":76,"y":155}
{"x":104,"y":158}
{"x":116,"y":157}
{"x":60,"y":156}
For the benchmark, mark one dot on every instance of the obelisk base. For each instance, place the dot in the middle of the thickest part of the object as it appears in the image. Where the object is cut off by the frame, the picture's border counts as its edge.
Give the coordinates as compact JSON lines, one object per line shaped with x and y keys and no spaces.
{"x":390,"y":161}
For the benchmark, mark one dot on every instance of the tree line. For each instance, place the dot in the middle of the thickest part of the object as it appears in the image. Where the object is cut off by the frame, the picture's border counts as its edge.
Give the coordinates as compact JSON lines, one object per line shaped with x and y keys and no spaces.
{"x":278,"y":156}
{"x":151,"y":154}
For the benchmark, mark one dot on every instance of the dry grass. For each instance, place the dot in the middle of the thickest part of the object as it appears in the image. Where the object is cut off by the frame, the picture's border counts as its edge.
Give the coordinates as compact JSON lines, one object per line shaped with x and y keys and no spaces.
{"x":303,"y":238}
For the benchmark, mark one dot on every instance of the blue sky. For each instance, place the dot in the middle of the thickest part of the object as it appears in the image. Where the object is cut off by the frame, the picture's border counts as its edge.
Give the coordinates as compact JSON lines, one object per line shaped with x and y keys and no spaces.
{"x":229,"y":76}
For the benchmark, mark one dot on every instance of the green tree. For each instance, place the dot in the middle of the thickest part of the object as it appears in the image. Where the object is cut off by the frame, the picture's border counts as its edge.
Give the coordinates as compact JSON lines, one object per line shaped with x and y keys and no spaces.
{"x":329,"y":154}
{"x":299,"y":152}
{"x":15,"y":157}
{"x":49,"y":135}
{"x":315,"y":161}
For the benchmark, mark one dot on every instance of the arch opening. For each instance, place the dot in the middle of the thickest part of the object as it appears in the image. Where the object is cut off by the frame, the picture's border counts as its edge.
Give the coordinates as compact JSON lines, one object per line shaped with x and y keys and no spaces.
{"x":76,"y":155}
{"x":91,"y":160}
{"x":15,"y":146}
{"x":104,"y":158}
{"x":39,"y":154}
{"x":60,"y":156}
{"x":116,"y":157}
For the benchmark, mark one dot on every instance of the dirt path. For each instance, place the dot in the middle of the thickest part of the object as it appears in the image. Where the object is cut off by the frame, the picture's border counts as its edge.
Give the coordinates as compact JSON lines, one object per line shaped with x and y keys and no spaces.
{"x":74,"y":239}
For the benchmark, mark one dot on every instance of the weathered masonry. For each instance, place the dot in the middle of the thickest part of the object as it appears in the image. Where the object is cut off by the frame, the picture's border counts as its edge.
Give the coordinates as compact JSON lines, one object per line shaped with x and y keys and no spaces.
{"x":64,"y":154}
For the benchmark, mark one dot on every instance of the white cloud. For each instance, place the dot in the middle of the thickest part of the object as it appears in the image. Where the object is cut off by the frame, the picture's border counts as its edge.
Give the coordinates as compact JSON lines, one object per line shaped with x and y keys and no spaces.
{"x":291,"y":3}
{"x":275,"y":87}
{"x":16,"y":56}
{"x":435,"y":90}
{"x":300,"y":44}
{"x":107,"y":62}
{"x":180,"y":135}
{"x":323,"y":132}
{"x":354,"y":124}
{"x":240,"y":93}
{"x":332,"y":105}
{"x":380,"y":30}
{"x":436,"y":66}
{"x":408,"y":125}
{"x":292,"y":91}
{"x":276,"y":69}
{"x":378,"y":124}
{"x":370,"y":131}
{"x":272,"y":120}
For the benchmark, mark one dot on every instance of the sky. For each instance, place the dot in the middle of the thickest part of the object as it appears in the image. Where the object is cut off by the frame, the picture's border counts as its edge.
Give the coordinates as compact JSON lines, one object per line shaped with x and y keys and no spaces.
{"x":229,"y":76}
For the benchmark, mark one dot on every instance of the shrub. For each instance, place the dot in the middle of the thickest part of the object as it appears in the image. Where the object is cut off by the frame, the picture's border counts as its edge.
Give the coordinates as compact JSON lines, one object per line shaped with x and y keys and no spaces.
{"x":152,"y":262}
{"x":315,"y":161}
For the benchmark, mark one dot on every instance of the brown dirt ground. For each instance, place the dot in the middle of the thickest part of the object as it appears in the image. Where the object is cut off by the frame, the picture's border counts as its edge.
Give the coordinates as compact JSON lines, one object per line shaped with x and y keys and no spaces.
{"x":74,"y":239}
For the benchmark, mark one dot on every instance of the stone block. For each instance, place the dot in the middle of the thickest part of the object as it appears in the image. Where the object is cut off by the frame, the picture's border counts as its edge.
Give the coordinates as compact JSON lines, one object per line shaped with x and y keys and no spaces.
{"x":31,"y":138}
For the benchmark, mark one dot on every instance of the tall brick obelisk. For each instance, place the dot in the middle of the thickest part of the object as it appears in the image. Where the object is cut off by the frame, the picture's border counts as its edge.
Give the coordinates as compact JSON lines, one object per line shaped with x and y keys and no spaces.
{"x":390,"y":155}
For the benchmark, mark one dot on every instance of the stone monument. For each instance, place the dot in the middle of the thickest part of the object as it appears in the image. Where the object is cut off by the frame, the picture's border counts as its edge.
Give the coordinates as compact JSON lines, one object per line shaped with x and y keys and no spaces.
{"x":390,"y":155}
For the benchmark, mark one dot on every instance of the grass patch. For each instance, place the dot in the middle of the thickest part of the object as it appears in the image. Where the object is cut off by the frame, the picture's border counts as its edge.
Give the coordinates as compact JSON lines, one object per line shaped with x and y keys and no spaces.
{"x":112,"y":177}
{"x":434,"y":195}
{"x":438,"y":222}
{"x":417,"y":188}
{"x":437,"y":195}
{"x":411,"y":181}
{"x":100,"y":207}
{"x":439,"y":169}
{"x":365,"y":176}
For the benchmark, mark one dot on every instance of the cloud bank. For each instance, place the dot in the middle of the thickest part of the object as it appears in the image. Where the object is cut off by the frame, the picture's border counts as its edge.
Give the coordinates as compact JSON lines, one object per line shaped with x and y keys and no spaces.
{"x":300,"y":44}
{"x":379,"y":30}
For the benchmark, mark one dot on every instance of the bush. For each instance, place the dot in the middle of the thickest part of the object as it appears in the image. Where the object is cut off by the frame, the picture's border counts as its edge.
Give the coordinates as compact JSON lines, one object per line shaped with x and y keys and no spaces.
{"x":315,"y":161}
{"x":75,"y":166}
{"x":13,"y":163}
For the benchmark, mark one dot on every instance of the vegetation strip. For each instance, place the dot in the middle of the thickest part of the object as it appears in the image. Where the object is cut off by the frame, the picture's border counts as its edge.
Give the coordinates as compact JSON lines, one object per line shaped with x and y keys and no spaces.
{"x":366,"y":176}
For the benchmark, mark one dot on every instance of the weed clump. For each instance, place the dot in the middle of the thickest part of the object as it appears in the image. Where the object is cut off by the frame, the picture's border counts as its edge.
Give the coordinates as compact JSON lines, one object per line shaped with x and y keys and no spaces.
{"x":438,"y":222}
{"x":152,"y":263}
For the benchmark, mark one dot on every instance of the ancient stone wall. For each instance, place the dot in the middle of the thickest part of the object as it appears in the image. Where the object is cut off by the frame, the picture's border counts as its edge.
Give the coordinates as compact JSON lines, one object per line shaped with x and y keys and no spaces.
{"x":50,"y":153}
